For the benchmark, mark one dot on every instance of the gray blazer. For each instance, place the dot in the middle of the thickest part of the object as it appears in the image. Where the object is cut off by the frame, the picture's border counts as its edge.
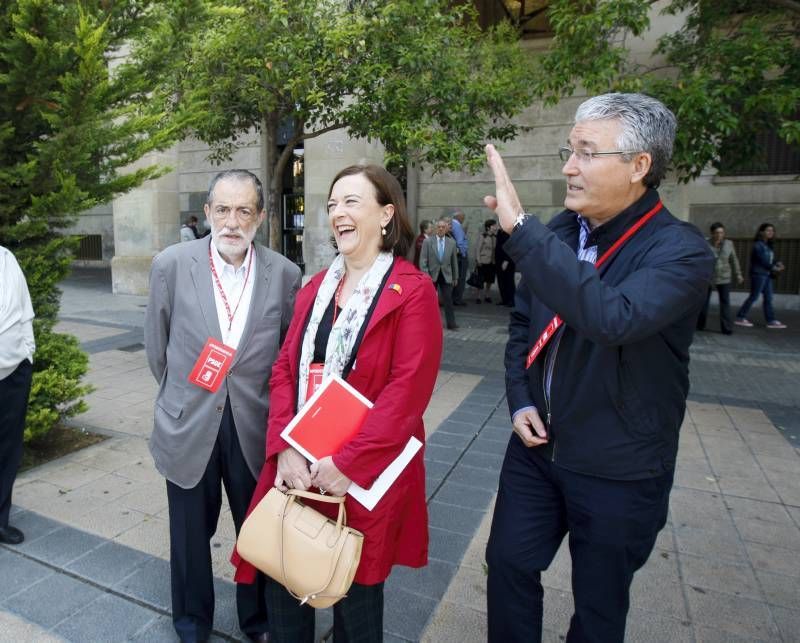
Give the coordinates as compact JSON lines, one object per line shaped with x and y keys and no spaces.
{"x":429,"y":259}
{"x":181,"y":315}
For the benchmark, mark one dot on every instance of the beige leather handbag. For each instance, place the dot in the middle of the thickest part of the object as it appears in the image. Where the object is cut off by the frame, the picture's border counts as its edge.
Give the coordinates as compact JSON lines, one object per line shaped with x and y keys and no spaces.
{"x":312,"y":556}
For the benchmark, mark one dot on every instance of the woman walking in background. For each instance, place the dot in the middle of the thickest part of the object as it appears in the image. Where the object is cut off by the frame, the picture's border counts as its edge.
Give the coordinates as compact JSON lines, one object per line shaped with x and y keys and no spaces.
{"x":727,"y":264}
{"x":485,"y":262}
{"x":762,"y":266}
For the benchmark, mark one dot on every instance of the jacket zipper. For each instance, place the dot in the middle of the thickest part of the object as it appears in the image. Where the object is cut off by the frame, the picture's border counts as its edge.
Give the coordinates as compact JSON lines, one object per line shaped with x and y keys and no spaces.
{"x":547,"y":398}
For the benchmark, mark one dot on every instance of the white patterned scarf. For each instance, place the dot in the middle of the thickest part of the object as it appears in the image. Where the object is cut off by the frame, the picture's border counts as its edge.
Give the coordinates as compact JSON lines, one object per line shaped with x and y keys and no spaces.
{"x":348,"y":324}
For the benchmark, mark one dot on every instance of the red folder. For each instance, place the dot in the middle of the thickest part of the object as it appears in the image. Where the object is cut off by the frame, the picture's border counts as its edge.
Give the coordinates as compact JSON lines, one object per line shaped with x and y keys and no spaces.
{"x":329,"y":419}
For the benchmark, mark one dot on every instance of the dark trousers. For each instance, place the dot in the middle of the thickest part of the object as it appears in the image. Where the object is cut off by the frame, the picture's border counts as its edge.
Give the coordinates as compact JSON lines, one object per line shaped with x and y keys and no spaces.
{"x":14,"y":391}
{"x":357,"y":618}
{"x":612,"y":528}
{"x":193,"y":516}
{"x":458,"y":291}
{"x":506,"y":285}
{"x":759,"y":285}
{"x":724,"y":291}
{"x":446,"y":292}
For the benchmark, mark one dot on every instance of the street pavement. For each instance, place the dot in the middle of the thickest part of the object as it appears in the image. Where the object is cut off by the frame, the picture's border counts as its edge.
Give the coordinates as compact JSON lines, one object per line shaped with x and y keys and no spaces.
{"x":94,"y":566}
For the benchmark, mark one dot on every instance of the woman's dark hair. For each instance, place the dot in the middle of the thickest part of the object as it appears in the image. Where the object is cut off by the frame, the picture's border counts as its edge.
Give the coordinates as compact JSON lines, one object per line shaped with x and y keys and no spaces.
{"x":399,"y":234}
{"x":488,"y":224}
{"x":716,"y":226}
{"x":760,"y":233}
{"x":423,"y":225}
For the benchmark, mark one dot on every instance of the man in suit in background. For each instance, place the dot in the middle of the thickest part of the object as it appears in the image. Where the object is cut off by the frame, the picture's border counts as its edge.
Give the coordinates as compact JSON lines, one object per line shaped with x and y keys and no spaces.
{"x":439,"y":260}
{"x":239,"y":294}
{"x":462,"y":252}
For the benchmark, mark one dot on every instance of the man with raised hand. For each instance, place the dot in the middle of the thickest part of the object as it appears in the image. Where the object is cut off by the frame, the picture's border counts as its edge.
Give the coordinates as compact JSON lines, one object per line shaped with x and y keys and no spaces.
{"x":596,"y":371}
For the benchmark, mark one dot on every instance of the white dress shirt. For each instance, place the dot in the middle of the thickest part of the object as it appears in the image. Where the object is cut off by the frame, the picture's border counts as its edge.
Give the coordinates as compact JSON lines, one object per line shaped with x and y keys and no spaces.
{"x":233,"y":281}
{"x":16,"y":316}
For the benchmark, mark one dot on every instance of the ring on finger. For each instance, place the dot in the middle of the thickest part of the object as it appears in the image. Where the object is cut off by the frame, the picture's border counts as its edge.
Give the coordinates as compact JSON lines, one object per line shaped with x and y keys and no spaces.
{"x":322,"y":491}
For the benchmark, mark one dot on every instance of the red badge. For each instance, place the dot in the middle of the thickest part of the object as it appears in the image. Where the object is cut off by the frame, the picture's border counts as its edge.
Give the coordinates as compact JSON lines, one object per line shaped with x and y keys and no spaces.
{"x":212,"y":365}
{"x":315,"y":372}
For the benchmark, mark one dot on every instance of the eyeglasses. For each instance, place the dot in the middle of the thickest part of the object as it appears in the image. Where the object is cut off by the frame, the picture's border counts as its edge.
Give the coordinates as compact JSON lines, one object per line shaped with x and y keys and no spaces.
{"x":585,"y":156}
{"x":221,"y":213}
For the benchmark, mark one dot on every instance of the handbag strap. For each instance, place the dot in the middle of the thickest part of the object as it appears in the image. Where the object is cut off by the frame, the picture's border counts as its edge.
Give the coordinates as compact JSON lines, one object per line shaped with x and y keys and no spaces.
{"x":341,"y":519}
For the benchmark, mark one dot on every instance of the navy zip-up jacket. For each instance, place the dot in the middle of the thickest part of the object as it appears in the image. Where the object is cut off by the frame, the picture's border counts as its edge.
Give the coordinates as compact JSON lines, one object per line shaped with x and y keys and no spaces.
{"x":621,"y":374}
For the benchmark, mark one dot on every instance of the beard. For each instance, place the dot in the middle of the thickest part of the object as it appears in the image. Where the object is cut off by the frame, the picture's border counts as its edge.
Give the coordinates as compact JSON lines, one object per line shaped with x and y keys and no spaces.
{"x":228,"y":247}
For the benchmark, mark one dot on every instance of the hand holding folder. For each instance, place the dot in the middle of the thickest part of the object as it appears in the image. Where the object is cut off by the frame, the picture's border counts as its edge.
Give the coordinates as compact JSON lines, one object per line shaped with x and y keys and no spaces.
{"x":332,"y":417}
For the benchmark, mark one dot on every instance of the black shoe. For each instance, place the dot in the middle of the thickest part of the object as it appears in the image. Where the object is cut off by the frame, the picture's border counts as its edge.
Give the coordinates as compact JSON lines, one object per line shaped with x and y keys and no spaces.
{"x":11,"y":535}
{"x":452,"y":327}
{"x":459,"y":303}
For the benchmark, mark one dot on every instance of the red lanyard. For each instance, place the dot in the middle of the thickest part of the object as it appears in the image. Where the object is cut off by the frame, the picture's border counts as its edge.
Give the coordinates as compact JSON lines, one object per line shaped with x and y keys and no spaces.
{"x":230,"y":314}
{"x":336,"y":296}
{"x":556,"y":322}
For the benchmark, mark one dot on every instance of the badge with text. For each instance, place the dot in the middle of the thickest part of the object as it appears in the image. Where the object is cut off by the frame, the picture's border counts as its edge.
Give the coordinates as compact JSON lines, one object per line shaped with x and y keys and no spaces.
{"x":212,"y":365}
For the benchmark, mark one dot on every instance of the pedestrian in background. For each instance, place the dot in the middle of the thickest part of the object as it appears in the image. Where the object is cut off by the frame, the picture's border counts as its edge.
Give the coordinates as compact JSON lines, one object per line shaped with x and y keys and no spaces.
{"x":16,"y":371}
{"x":597,"y":371}
{"x":439,"y":261}
{"x":763,"y":267}
{"x":189,"y":229}
{"x":505,"y":270}
{"x":425,"y":231}
{"x":485,"y":259}
{"x":223,"y":290}
{"x":462,"y":248}
{"x":726,"y":265}
{"x":365,"y":319}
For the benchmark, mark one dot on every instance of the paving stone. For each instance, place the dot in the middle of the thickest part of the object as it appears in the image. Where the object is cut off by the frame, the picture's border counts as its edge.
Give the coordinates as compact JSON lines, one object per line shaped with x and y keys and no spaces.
{"x":741,"y":616}
{"x":774,"y":559}
{"x":780,"y":590}
{"x":34,"y":526}
{"x":468,"y":429}
{"x":15,"y":628}
{"x":406,"y":614}
{"x":645,"y":627}
{"x":455,"y":623}
{"x":63,"y":546}
{"x":460,"y":520}
{"x":431,"y":581}
{"x":726,"y":578}
{"x":52,"y":599}
{"x":108,"y":564}
{"x":489,"y":461}
{"x":158,"y":631}
{"x":717,"y":544}
{"x":19,"y":573}
{"x":474,"y":477}
{"x":704,"y":634}
{"x":758,"y":510}
{"x":149,"y":583}
{"x":769,"y":533}
{"x":449,"y":439}
{"x":461,"y":495}
{"x":489,"y":445}
{"x":788,"y":622}
{"x":437,"y":469}
{"x":109,"y":618}
{"x":446,"y":546}
{"x":439,"y":453}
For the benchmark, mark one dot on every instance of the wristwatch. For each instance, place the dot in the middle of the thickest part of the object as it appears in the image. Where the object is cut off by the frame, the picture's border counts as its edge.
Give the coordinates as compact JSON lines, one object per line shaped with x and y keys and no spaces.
{"x":520,"y":221}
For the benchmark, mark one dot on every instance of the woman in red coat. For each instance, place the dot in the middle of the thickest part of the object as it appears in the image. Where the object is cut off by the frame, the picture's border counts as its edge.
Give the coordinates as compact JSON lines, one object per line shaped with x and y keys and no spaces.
{"x":370,"y":319}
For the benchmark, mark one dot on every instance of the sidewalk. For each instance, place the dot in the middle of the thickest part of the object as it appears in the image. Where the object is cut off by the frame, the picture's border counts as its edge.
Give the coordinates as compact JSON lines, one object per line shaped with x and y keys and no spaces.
{"x":726,"y":568}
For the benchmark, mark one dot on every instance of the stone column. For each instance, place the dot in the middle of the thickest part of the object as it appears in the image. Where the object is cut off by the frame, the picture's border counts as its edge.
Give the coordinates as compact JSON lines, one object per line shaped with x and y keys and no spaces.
{"x":146,"y":220}
{"x":324,"y":156}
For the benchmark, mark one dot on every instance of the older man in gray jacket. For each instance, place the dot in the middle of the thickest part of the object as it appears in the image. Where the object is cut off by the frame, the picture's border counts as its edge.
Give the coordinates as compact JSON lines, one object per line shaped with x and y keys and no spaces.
{"x":217,"y":314}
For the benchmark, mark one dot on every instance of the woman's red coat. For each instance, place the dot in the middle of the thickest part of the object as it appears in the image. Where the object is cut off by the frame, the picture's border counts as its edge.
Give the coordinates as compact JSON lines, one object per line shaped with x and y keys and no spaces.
{"x":396,"y":367}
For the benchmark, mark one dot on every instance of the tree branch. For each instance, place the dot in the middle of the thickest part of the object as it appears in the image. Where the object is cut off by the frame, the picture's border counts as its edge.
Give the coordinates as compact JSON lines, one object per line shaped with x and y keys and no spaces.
{"x":324,"y":130}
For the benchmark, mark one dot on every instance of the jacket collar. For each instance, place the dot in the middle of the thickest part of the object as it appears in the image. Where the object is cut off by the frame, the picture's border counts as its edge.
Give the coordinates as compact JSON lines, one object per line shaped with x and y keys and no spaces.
{"x":605,"y":235}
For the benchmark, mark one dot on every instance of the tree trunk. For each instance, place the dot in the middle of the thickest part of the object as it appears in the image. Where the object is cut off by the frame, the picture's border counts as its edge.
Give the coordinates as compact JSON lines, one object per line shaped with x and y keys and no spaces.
{"x":273,"y":183}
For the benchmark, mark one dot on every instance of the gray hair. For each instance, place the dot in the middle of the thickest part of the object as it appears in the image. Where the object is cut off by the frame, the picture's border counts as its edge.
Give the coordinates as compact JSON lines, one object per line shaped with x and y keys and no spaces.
{"x":239,"y":175}
{"x":647,"y":126}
